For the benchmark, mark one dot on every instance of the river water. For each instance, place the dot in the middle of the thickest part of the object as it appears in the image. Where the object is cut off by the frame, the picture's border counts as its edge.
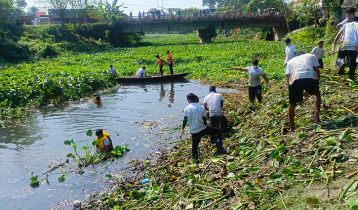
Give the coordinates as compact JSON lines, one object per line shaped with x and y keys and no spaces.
{"x":142,"y":116}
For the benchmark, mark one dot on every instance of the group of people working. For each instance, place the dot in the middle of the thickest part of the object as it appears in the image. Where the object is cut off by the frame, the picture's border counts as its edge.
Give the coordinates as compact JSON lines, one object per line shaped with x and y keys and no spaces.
{"x":141,"y":71}
{"x":302,"y":76}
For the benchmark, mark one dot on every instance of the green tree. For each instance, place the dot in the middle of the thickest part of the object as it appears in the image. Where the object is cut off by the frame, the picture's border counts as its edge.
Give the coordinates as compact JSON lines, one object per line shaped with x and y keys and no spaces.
{"x":21,"y":3}
{"x":110,"y":12}
{"x":215,"y":3}
{"x":32,"y":11}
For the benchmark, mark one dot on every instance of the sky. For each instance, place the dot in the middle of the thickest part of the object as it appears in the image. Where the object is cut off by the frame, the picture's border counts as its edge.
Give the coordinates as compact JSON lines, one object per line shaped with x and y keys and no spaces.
{"x":138,"y":5}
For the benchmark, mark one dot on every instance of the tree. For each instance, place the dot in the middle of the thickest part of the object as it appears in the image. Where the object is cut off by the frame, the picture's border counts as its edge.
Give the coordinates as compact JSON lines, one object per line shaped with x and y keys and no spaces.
{"x":60,"y":6}
{"x":21,"y":3}
{"x":110,"y":11}
{"x":215,"y":3}
{"x":32,"y":11}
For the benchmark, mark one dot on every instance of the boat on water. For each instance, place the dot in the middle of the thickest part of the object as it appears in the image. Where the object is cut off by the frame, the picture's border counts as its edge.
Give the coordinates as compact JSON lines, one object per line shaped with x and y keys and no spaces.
{"x":164,"y":78}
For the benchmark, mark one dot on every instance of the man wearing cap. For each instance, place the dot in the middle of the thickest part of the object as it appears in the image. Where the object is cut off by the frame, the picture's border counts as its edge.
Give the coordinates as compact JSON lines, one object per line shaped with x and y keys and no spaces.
{"x":303,"y":74}
{"x":213,"y":103}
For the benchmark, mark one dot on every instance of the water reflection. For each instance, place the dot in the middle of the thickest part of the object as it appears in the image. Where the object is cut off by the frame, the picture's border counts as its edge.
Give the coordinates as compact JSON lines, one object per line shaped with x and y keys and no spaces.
{"x":171,"y":92}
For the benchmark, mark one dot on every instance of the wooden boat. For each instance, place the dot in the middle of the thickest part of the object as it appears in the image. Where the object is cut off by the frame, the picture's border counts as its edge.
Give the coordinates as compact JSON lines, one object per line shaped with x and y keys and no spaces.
{"x":174,"y":77}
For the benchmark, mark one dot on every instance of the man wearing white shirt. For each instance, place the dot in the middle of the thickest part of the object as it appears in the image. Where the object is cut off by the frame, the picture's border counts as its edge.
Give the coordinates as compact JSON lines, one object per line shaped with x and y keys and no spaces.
{"x":255,"y":73}
{"x":112,"y":70}
{"x":318,"y":52}
{"x":349,"y":17}
{"x":141,"y":72}
{"x":349,"y":47}
{"x":303,"y":74}
{"x":290,"y":51}
{"x":196,"y":116}
{"x":213,"y":103}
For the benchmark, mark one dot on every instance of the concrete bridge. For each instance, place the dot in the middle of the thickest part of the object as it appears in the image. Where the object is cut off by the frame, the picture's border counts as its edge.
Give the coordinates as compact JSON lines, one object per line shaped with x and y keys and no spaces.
{"x":201,"y":24}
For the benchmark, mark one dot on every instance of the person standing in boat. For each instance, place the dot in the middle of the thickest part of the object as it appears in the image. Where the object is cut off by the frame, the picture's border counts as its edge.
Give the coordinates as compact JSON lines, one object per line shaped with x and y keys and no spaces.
{"x":113,"y":71}
{"x":160,"y":64}
{"x":141,"y":72}
{"x":170,"y":61}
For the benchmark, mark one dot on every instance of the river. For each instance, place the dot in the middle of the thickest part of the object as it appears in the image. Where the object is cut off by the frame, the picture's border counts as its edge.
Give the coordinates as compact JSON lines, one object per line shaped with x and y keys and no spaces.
{"x":142,"y":116}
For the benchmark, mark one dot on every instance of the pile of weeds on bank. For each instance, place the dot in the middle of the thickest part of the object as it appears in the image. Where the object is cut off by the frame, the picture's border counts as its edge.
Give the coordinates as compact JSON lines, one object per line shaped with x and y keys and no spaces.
{"x":265,"y":167}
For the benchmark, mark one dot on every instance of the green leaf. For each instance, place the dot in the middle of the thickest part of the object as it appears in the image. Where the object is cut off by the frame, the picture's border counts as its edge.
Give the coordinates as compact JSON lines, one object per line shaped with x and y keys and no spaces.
{"x":255,"y":170}
{"x":353,"y":204}
{"x":70,"y":155}
{"x":35,"y":184}
{"x":155,"y":187}
{"x":280,"y":148}
{"x":147,"y":163}
{"x":215,"y":160}
{"x":345,"y":135}
{"x":230,"y":175}
{"x":275,"y":175}
{"x":34,"y":178}
{"x":94,"y":143}
{"x":67,"y":142}
{"x":89,"y":132}
{"x":302,"y":135}
{"x":287,"y":171}
{"x":61,"y":179}
{"x":231,"y":165}
{"x":274,"y":154}
{"x":108,"y":175}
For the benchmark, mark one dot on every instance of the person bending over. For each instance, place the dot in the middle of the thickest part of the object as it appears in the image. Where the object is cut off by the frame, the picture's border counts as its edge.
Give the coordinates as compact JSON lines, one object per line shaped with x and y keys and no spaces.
{"x":214,"y":103}
{"x":104,"y":141}
{"x":303,"y":74}
{"x":196,"y":116}
{"x":141,"y":72}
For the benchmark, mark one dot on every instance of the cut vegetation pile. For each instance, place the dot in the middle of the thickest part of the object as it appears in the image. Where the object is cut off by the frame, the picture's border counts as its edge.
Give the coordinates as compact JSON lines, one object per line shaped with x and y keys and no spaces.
{"x":266,"y":167}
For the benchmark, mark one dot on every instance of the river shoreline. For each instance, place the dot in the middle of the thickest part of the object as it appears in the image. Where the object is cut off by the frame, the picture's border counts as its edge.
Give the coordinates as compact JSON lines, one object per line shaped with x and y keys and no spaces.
{"x":265,"y":166}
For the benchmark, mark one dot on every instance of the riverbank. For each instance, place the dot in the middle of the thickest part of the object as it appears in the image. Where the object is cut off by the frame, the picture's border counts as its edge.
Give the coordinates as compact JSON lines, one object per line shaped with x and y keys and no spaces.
{"x":72,"y":76}
{"x":266,"y":167}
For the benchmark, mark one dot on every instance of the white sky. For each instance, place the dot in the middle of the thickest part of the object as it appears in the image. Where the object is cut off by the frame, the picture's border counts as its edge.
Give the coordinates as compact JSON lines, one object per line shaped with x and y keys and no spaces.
{"x":138,"y":5}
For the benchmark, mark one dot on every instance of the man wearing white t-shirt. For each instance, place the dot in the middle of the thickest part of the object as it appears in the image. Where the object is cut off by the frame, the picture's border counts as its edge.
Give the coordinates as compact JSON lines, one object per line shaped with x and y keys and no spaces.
{"x":213,"y":103}
{"x":303,"y":74}
{"x":318,"y":52}
{"x":349,"y":47}
{"x":112,"y":70}
{"x":255,"y":74}
{"x":349,"y":17}
{"x":141,"y":72}
{"x":196,"y":116}
{"x":290,"y":51}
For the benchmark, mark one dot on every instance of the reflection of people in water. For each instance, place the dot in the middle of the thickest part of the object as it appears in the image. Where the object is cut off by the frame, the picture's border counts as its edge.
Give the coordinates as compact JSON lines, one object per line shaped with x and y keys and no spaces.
{"x":162,"y":92}
{"x":171,"y":94}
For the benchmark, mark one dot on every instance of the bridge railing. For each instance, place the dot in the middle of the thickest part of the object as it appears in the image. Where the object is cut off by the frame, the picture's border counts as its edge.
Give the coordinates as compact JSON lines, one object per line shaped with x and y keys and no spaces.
{"x":213,"y":16}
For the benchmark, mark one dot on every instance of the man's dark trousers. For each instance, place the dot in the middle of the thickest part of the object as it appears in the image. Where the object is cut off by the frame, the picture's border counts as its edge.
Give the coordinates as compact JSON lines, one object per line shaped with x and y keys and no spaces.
{"x":196,"y":137}
{"x":215,"y":121}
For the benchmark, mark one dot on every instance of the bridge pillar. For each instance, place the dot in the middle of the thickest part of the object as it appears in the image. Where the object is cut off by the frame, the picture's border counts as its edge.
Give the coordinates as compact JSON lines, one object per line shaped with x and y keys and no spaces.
{"x":279,"y":32}
{"x":204,"y":35}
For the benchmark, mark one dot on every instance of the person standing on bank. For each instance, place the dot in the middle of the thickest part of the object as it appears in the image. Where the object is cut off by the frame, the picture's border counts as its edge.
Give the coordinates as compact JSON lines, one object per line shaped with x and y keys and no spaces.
{"x":213,"y":103}
{"x":170,"y":61}
{"x":160,"y":64}
{"x":290,"y":51}
{"x":318,"y":52}
{"x":196,"y":116}
{"x":255,"y":74}
{"x":349,"y":47}
{"x":303,"y":74}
